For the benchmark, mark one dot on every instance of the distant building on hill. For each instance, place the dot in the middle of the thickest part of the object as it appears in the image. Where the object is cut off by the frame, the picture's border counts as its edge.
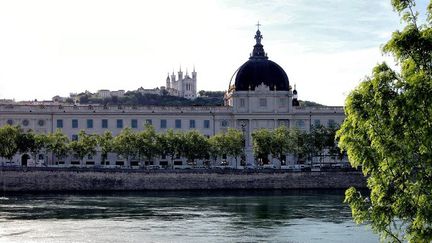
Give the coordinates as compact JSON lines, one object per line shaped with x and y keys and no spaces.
{"x":185,"y":87}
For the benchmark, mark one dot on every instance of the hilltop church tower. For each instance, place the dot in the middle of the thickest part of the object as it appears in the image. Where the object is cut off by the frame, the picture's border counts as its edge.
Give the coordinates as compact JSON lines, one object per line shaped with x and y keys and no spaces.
{"x":185,"y":87}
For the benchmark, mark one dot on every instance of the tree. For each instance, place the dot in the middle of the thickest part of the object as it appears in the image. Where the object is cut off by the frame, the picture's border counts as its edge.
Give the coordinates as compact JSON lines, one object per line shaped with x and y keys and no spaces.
{"x":105,"y":143}
{"x":57,"y":143}
{"x":217,"y":146}
{"x":388,"y":132}
{"x":85,"y":145}
{"x":262,"y":144}
{"x":282,"y":142}
{"x":169,"y":144}
{"x":26,"y":142}
{"x":29,"y":142}
{"x":125,"y":144}
{"x":234,"y":143}
{"x":9,"y":141}
{"x":147,"y":143}
{"x":194,"y":146}
{"x":228,"y":143}
{"x":318,"y":136}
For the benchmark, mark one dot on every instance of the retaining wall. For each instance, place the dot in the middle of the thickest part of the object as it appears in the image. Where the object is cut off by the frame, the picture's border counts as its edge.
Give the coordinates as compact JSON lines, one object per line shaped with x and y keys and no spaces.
{"x":21,"y":181}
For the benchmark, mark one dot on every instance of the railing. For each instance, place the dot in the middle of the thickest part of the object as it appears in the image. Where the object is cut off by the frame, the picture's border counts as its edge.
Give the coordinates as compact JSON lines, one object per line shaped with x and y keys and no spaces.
{"x":325,"y":109}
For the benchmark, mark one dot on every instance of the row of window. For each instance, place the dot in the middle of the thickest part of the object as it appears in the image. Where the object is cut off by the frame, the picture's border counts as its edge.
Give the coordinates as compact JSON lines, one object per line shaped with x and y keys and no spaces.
{"x":263,"y":102}
{"x":330,"y":123}
{"x":317,"y":122}
{"x":134,"y":123}
{"x":25,"y":122}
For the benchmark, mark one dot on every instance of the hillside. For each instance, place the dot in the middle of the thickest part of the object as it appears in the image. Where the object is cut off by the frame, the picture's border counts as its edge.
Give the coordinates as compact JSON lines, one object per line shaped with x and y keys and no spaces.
{"x":206,"y":98}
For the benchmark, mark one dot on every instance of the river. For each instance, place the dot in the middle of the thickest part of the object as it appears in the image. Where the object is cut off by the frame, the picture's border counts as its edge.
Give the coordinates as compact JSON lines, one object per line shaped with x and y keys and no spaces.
{"x":185,"y":216}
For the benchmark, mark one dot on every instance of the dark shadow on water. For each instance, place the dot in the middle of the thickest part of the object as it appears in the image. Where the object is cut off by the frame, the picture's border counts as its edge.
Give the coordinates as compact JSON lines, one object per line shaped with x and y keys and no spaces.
{"x":242,"y":208}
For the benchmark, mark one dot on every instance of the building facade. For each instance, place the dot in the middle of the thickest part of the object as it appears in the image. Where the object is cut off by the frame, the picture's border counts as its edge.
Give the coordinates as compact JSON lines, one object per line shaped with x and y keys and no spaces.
{"x":260,"y":96}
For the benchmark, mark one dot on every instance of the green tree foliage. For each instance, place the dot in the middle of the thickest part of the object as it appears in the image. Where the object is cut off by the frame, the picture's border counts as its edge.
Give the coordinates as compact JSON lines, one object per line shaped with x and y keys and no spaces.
{"x":30,"y":142}
{"x":8,"y":141}
{"x":282,"y":142}
{"x":105,"y":143}
{"x":235,"y":143}
{"x":305,"y":103}
{"x":125,"y":144}
{"x":58,"y":143}
{"x":170,"y":144}
{"x":26,"y":142}
{"x":147,"y":143}
{"x":262,"y":143}
{"x":215,"y":98}
{"x":85,"y":145}
{"x":217,"y":146}
{"x":388,"y":132}
{"x":322,"y":141}
{"x":194,"y":146}
{"x":230,"y":143}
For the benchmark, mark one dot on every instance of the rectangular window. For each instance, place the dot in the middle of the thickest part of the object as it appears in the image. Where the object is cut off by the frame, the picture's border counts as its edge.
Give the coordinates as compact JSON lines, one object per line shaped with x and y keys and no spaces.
{"x":331,"y":123}
{"x":224,"y":123}
{"x":134,"y":123}
{"x":104,"y":123}
{"x":163,"y":164}
{"x":317,"y":123}
{"x":74,"y":123}
{"x":300,"y":124}
{"x":163,"y":124}
{"x":206,"y":123}
{"x":242,"y":102}
{"x":178,"y":123}
{"x":282,"y":102}
{"x":191,"y":123}
{"x":119,"y":123}
{"x":74,"y":137}
{"x":59,"y":123}
{"x":149,"y":121}
{"x":263,"y":102}
{"x":89,"y":123}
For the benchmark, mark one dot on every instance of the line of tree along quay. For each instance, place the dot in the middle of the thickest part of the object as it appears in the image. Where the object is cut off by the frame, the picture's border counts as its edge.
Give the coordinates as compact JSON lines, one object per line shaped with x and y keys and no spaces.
{"x":140,"y":148}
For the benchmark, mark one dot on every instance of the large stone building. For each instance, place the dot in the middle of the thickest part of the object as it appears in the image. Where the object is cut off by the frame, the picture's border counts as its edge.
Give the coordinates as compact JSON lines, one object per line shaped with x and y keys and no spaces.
{"x":260,"y":96}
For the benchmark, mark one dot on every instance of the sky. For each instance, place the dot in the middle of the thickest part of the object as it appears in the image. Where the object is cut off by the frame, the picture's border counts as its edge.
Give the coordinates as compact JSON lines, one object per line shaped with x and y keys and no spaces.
{"x":55,"y":47}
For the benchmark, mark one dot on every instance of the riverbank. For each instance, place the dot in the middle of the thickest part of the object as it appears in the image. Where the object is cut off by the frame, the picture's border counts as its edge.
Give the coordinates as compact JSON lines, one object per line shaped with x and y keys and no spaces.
{"x":56,"y":181}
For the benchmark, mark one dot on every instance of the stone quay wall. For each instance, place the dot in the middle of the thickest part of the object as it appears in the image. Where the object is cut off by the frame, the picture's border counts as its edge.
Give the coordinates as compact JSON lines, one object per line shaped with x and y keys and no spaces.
{"x":46,"y":181}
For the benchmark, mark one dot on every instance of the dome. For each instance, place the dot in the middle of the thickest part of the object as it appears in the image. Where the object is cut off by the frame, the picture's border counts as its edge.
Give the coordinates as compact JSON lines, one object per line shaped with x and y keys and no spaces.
{"x":259,"y":69}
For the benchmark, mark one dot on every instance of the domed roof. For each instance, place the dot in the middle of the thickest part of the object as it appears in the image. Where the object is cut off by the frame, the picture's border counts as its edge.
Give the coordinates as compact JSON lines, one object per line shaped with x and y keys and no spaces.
{"x":258,"y":69}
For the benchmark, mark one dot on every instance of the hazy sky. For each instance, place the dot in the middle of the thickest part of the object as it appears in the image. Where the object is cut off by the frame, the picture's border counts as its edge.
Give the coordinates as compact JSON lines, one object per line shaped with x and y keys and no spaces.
{"x":56,"y":47}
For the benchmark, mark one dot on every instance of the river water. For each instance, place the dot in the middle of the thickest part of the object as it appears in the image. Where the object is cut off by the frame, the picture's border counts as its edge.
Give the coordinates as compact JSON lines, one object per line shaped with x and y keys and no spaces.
{"x":197,"y":216}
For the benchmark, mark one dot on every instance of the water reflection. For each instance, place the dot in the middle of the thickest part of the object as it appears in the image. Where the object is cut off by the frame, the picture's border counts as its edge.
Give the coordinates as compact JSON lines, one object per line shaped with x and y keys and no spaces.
{"x":191,"y":216}
{"x":256,"y":208}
